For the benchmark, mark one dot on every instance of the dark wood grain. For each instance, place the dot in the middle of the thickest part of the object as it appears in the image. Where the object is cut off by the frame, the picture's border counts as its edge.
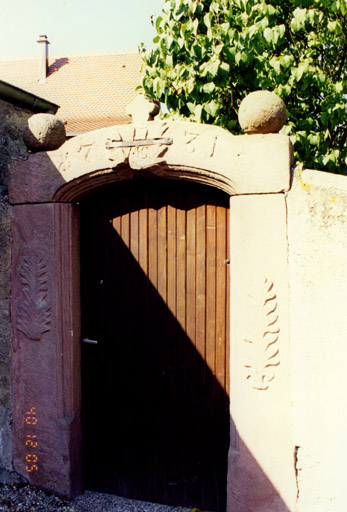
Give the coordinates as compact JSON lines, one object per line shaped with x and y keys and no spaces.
{"x":155,"y":390}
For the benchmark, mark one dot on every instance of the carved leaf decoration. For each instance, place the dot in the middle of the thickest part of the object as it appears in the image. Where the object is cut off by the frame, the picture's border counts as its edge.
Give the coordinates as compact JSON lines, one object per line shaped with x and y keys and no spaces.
{"x":262,"y":338}
{"x":34,"y":314}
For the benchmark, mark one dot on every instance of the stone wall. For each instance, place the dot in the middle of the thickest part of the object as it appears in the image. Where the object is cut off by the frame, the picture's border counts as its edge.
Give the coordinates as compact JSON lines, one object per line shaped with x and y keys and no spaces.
{"x":317,"y":235}
{"x":12,"y":120}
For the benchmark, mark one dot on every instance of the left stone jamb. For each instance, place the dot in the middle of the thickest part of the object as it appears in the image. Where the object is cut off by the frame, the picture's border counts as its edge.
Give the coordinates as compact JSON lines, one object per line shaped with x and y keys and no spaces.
{"x":46,"y":326}
{"x":12,"y":121}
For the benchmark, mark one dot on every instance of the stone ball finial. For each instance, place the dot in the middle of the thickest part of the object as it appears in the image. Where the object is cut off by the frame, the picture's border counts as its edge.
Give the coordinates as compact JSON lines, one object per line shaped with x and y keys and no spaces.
{"x":141,"y":109}
{"x":43,"y":132}
{"x":262,"y":112}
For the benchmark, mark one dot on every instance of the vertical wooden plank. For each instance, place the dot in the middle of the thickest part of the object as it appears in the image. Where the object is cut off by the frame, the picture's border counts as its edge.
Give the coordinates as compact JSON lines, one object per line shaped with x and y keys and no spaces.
{"x":211,"y":388}
{"x":146,"y":343}
{"x":162,"y":253}
{"x":125,"y":228}
{"x":159,"y":301}
{"x":192,"y":366}
{"x":202,"y":377}
{"x":116,"y":224}
{"x":227,"y":305}
{"x":143,"y":237}
{"x":200,"y":318}
{"x":105,"y":227}
{"x":221,"y":265}
{"x":134,"y":234}
{"x":171,"y":351}
{"x":152,"y":243}
{"x":156,"y":475}
{"x":183,"y":349}
{"x":171,"y":259}
{"x":125,"y":269}
{"x":211,"y":287}
{"x":181,"y":267}
{"x":191,"y":270}
{"x":112,"y":282}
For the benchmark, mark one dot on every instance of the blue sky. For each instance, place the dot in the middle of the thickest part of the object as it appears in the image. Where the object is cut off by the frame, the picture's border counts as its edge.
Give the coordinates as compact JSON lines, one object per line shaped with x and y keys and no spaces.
{"x":75,"y":26}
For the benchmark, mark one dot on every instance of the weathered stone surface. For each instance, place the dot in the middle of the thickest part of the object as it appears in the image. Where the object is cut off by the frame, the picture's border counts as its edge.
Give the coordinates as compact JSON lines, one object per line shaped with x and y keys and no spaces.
{"x":5,"y":336}
{"x":44,"y":132}
{"x":34,"y":180}
{"x":317,"y":230}
{"x":5,"y":426}
{"x":141,"y":109}
{"x":46,"y":346}
{"x":261,"y":470}
{"x":201,"y":153}
{"x":5,"y":246}
{"x":12,"y":122}
{"x":262,"y":112}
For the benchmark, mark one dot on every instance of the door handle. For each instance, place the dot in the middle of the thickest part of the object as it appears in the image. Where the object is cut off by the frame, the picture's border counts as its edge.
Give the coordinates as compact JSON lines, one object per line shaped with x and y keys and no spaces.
{"x":92,"y":342}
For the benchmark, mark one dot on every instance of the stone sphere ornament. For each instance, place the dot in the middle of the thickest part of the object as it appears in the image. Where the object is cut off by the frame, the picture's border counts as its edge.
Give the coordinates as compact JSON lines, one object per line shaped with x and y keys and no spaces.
{"x":262,"y":112}
{"x":43,"y":132}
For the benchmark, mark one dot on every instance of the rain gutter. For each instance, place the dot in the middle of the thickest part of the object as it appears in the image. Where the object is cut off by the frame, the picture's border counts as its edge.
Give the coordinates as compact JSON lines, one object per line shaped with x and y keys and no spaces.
{"x":25,"y":99}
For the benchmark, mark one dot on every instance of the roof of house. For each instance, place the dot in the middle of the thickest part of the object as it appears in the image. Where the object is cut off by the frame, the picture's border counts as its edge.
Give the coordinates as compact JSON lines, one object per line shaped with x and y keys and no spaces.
{"x":93,"y":91}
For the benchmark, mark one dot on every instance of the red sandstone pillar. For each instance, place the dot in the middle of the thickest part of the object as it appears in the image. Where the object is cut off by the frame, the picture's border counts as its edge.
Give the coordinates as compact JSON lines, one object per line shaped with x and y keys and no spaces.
{"x":46,"y":346}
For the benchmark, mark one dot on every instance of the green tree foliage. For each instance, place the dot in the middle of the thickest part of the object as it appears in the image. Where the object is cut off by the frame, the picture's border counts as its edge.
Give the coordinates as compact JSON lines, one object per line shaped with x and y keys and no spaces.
{"x":208,"y":54}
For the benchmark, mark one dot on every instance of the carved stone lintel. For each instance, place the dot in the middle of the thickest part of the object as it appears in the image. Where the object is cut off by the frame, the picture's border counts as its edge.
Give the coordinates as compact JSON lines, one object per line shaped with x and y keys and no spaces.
{"x":207,"y":154}
{"x":262,"y":336}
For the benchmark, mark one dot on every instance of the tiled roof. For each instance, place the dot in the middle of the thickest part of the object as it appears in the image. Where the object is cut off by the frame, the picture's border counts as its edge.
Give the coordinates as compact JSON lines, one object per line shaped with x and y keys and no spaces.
{"x":92,"y":90}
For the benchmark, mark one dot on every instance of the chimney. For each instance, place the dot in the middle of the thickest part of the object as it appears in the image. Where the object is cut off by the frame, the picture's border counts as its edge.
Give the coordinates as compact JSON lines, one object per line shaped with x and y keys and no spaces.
{"x":43,"y":58}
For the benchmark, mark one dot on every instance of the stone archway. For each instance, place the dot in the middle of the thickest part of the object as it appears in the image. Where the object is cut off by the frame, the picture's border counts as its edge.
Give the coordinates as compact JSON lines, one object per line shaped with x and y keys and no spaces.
{"x":45,"y":190}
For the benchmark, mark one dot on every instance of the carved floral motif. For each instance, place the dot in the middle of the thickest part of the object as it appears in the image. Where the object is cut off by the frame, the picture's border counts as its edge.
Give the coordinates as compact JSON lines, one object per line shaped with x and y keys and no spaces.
{"x":262,"y":336}
{"x":34,"y":314}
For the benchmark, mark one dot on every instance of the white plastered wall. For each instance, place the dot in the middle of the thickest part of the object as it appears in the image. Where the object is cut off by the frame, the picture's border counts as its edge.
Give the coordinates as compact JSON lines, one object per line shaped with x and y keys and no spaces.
{"x":317,"y":235}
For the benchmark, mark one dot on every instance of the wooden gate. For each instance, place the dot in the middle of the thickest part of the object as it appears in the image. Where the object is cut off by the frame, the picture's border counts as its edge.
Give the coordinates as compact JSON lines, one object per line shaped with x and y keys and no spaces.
{"x":155,"y":407}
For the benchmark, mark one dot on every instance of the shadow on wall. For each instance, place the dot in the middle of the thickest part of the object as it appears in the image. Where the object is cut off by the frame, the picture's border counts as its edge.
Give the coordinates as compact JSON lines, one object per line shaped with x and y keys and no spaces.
{"x":155,"y":417}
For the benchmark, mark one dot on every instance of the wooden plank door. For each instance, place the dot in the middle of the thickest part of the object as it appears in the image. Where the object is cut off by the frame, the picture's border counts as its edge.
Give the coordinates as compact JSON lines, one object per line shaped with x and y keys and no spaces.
{"x":155,"y":387}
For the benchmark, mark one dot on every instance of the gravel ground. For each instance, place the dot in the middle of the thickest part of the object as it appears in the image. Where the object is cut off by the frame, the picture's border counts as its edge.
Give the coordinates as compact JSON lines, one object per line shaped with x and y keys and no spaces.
{"x":24,"y":498}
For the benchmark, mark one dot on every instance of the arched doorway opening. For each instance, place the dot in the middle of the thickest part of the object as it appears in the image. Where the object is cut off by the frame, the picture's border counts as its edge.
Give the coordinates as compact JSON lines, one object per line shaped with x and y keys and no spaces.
{"x":46,"y":191}
{"x":155,"y":386}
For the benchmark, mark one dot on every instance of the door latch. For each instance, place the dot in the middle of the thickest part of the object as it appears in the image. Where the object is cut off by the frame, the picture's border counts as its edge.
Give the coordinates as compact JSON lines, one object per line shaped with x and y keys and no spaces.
{"x":92,"y":342}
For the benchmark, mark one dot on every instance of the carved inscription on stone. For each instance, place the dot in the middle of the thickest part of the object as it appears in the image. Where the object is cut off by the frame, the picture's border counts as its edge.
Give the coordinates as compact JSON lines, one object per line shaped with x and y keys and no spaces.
{"x":64,"y":164}
{"x":143,"y":157}
{"x":34,"y":312}
{"x":119,"y":153}
{"x":262,"y":336}
{"x":195,"y":142}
